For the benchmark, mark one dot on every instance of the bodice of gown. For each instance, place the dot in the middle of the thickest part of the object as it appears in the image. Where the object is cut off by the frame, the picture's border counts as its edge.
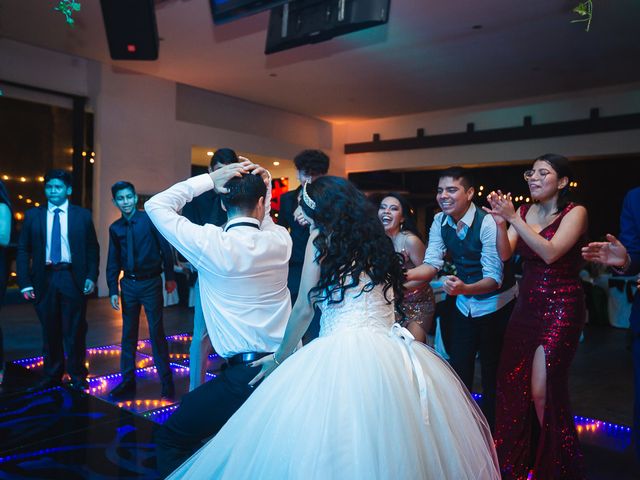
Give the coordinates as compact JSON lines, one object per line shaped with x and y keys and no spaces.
{"x":566,"y":268}
{"x":368,"y":309}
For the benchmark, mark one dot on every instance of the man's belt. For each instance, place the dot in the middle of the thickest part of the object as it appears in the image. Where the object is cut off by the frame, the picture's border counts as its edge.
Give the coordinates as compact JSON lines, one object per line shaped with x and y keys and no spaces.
{"x":56,"y":267}
{"x":242,"y":358}
{"x":141,"y":276}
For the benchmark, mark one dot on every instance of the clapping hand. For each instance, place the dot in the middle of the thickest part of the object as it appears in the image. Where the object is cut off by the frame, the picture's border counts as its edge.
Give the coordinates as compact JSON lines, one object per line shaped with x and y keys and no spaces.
{"x":267,"y":364}
{"x":611,"y":253}
{"x":502,"y":208}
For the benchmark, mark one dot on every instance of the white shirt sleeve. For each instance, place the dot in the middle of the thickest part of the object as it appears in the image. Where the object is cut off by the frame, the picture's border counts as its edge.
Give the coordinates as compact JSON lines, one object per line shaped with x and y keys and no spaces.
{"x":489,"y":259}
{"x":436,"y":249}
{"x":188,"y":238}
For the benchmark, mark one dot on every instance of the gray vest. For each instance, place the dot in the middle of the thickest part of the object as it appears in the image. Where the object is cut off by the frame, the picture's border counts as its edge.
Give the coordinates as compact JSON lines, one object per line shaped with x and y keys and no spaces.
{"x":466,"y":255}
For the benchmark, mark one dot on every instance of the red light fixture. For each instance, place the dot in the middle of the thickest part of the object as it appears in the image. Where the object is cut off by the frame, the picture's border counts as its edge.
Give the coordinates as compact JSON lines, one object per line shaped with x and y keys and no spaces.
{"x":131,"y":48}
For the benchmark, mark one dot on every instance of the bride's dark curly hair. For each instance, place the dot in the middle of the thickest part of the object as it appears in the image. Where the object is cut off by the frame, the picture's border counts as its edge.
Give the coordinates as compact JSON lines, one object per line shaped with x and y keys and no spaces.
{"x":351,"y":240}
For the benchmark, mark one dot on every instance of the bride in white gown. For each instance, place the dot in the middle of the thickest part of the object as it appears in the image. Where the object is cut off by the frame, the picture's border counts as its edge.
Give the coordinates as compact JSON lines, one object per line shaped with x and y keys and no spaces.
{"x":363,"y":401}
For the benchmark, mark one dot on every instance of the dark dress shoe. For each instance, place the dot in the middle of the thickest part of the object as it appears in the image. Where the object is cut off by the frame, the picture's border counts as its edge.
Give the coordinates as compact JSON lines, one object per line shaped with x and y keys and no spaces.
{"x":79,"y":384}
{"x":44,"y":384}
{"x":168,"y":392}
{"x":123,"y":391}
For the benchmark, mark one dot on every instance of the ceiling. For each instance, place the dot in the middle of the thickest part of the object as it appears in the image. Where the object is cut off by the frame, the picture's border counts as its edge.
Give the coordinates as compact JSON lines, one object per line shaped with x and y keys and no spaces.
{"x":432,"y":55}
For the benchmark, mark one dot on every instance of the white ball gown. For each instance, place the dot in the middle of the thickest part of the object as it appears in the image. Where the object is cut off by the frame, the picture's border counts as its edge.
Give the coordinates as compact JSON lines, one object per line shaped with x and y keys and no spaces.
{"x":363,"y":401}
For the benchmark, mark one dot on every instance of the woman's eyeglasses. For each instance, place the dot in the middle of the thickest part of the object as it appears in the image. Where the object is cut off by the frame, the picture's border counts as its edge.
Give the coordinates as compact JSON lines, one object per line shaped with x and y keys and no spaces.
{"x":542,"y":173}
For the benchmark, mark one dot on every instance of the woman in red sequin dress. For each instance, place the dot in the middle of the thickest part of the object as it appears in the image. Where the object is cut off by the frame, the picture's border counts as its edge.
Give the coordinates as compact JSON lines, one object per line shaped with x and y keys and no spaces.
{"x":535,"y":433}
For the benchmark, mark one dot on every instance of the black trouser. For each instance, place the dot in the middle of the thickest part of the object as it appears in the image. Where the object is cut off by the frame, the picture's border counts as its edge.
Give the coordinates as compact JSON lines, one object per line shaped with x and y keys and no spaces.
{"x":201,"y":414}
{"x":148,"y":294}
{"x":62,"y":313}
{"x":470,"y":335}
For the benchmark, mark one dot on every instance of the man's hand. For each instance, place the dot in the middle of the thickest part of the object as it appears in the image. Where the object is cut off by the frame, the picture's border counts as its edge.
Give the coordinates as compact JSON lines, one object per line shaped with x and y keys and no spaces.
{"x":222,"y":175}
{"x":611,"y":253}
{"x":89,"y":286}
{"x":454,"y":286}
{"x":29,"y":294}
{"x":298,"y":216}
{"x":170,"y":286}
{"x":115,"y":303}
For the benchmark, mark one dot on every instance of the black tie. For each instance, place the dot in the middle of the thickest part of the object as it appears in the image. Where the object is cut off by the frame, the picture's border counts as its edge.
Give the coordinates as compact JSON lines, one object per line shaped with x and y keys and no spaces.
{"x":130,"y":258}
{"x":56,"y":237}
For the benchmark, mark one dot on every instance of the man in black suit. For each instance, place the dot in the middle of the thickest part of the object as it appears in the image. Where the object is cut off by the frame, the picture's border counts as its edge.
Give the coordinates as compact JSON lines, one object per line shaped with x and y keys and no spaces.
{"x":310,"y":164}
{"x":138,"y":250}
{"x":57,"y":264}
{"x":202,"y":210}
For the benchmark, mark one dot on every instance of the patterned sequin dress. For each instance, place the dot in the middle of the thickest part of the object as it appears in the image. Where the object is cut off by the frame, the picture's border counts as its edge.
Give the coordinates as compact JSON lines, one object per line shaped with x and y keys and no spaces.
{"x":550,"y":312}
{"x":419,"y":304}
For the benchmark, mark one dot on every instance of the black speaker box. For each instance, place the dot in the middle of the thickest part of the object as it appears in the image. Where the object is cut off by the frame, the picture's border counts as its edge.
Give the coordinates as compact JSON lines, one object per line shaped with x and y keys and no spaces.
{"x":301,"y":22}
{"x":131,"y":29}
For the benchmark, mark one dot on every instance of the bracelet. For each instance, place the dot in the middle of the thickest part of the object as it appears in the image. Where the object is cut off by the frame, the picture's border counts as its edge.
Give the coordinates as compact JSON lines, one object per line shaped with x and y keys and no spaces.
{"x":621,"y":270}
{"x":275,"y":360}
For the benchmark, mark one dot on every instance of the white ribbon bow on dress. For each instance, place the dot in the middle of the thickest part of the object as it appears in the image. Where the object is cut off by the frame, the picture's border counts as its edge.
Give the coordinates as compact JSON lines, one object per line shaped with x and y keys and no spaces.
{"x":414,"y":369}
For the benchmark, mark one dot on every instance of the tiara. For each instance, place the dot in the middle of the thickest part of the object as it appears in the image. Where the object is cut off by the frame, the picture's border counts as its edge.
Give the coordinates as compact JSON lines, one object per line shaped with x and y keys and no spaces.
{"x":306,"y":198}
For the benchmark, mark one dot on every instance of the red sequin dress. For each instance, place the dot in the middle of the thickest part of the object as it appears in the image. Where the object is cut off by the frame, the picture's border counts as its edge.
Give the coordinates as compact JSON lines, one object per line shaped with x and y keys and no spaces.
{"x":550,"y":312}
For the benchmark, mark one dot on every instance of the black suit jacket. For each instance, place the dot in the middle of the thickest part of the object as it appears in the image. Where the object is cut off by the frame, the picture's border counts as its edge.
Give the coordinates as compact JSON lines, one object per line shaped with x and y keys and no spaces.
{"x":299,"y":234}
{"x":32,"y":249}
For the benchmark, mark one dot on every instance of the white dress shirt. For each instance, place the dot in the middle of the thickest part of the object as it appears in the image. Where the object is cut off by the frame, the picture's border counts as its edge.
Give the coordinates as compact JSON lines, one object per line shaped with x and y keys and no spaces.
{"x":489,"y":260}
{"x":64,"y":231}
{"x":242,"y":272}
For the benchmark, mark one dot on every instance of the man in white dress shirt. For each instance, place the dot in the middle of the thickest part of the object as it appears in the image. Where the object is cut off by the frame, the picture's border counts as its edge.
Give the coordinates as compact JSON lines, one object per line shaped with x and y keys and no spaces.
{"x":243,"y":286}
{"x":483,"y":287}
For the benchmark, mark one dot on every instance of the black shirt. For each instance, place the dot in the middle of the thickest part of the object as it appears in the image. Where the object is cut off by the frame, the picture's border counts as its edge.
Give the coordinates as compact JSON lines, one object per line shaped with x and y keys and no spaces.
{"x":205,"y":208}
{"x":151,"y":250}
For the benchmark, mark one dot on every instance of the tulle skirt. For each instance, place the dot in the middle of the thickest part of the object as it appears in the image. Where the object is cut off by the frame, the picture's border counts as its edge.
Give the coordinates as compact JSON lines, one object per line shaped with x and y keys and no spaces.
{"x":362,"y":403}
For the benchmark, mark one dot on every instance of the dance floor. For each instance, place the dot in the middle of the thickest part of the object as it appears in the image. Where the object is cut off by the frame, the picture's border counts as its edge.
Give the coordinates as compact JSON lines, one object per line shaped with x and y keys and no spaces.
{"x":61,"y":433}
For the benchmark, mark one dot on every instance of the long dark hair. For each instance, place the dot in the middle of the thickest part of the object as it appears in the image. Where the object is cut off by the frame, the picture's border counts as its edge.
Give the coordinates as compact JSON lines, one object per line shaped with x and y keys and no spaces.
{"x":562,"y":168}
{"x":351,"y":240}
{"x":408,"y":213}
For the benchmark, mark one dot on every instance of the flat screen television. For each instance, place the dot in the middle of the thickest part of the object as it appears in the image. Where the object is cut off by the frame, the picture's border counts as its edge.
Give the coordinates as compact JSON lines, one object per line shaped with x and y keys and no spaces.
{"x":224,"y":11}
{"x":301,"y":22}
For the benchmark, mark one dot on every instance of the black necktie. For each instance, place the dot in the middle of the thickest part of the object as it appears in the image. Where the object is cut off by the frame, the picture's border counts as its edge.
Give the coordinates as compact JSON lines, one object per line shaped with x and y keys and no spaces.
{"x":56,"y":237}
{"x":130,"y":258}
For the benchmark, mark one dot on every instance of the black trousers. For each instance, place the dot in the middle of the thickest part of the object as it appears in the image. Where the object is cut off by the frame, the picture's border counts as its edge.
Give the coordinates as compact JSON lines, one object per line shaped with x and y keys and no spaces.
{"x":62,"y":314}
{"x":148,"y":294}
{"x":470,"y":335}
{"x":201,"y":414}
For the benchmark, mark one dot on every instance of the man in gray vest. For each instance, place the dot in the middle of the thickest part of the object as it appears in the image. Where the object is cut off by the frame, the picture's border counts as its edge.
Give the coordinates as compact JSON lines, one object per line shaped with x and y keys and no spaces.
{"x":483,"y":287}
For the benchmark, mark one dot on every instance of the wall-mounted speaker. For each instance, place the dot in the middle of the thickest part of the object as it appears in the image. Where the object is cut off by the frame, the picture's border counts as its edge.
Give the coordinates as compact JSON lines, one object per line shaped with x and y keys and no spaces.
{"x":131,"y":29}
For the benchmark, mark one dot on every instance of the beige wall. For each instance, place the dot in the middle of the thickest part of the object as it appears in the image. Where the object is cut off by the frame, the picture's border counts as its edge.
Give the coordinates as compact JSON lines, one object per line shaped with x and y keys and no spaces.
{"x":613,"y":101}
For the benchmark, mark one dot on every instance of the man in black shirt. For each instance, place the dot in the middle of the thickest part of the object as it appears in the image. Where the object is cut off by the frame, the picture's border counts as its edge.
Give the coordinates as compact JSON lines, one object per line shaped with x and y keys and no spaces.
{"x":310,"y":164}
{"x":138,"y":249}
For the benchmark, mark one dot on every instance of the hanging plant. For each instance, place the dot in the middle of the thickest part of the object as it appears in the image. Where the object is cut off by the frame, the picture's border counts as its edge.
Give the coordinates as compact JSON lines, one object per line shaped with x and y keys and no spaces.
{"x":584,"y":9}
{"x":67,"y":7}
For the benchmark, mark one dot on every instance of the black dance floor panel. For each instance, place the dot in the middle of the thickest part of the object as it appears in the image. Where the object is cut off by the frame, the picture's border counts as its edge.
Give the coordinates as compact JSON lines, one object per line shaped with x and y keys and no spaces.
{"x":120,"y":448}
